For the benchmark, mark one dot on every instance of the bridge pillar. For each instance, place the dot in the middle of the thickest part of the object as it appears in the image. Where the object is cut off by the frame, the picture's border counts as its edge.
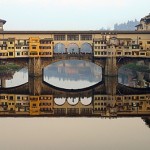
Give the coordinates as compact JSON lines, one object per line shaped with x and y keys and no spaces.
{"x":147,"y":75}
{"x":111,"y":68}
{"x":35,"y":67}
{"x":111,"y":85}
{"x":3,"y":83}
{"x":35,"y":84}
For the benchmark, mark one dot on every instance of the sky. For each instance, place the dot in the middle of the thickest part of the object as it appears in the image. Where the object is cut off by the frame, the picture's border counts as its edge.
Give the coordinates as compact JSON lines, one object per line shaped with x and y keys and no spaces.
{"x":70,"y":14}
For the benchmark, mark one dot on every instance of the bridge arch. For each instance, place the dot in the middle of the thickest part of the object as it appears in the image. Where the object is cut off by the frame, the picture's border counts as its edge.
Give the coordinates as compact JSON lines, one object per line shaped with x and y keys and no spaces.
{"x":86,"y":48}
{"x":59,"y":101}
{"x":73,"y":48}
{"x":73,"y":101}
{"x":86,"y":101}
{"x":59,"y":48}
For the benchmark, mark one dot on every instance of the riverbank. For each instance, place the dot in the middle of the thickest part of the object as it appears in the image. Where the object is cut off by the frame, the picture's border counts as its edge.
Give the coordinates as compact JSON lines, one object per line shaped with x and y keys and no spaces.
{"x":135,"y":67}
{"x":9,"y":66}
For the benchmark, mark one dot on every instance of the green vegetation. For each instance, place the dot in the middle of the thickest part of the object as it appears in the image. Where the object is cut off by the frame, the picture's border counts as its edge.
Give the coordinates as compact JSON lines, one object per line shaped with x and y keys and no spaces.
{"x":9,"y":66}
{"x":140,"y":68}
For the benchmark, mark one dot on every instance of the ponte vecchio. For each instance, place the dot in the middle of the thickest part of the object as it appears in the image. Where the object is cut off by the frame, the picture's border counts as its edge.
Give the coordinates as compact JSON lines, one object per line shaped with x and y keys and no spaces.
{"x":109,"y":49}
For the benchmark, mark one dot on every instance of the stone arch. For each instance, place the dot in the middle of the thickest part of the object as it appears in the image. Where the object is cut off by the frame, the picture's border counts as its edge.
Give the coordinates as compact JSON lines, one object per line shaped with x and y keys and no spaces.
{"x":86,"y":101}
{"x":59,"y":101}
{"x":72,"y":101}
{"x":73,"y":48}
{"x":86,"y":48}
{"x":59,"y":48}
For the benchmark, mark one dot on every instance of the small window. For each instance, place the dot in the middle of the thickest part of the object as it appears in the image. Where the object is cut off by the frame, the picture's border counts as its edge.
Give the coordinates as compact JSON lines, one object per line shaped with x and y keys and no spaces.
{"x":33,"y":47}
{"x":148,"y":42}
{"x":18,"y":53}
{"x":10,"y":53}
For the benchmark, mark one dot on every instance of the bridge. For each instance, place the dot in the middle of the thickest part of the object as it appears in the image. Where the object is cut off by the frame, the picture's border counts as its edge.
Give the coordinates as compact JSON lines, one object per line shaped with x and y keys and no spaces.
{"x":105,"y":48}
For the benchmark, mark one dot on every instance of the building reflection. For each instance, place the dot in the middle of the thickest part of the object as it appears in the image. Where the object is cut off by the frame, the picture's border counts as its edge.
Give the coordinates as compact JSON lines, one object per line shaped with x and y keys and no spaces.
{"x":108,"y":99}
{"x":8,"y":75}
{"x":96,"y":105}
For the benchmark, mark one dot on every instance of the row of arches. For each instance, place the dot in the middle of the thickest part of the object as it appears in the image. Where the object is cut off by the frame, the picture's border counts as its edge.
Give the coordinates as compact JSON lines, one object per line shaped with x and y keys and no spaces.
{"x":59,"y":48}
{"x":73,"y":101}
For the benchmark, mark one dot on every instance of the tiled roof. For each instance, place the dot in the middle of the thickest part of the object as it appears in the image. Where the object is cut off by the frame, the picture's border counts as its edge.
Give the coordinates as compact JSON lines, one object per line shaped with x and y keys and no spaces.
{"x":138,"y":25}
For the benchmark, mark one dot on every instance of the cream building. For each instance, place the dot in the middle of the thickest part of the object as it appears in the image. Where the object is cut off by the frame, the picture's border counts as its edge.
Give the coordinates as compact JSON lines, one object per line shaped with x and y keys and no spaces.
{"x":144,"y":24}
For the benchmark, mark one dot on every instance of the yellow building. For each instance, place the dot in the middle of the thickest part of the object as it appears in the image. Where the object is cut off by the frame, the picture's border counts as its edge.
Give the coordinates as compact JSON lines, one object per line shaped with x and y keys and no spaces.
{"x":46,"y":104}
{"x":11,"y":47}
{"x":3,"y":48}
{"x":46,"y":47}
{"x":34,"y":105}
{"x":34,"y":47}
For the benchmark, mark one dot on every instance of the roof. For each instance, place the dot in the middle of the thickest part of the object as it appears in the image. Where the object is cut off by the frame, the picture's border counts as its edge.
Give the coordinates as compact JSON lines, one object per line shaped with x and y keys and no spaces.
{"x":138,"y":25}
{"x":3,"y":21}
{"x":107,"y":32}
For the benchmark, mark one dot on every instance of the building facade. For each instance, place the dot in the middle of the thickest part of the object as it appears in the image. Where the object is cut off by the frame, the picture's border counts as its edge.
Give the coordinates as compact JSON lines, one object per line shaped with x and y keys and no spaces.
{"x":144,"y":24}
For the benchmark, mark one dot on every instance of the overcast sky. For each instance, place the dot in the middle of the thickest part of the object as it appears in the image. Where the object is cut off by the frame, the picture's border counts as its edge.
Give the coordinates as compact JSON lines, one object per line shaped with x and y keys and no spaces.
{"x":70,"y":14}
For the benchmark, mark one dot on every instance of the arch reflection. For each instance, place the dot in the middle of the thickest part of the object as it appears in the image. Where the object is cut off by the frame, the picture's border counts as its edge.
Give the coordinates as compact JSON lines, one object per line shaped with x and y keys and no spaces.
{"x":59,"y":101}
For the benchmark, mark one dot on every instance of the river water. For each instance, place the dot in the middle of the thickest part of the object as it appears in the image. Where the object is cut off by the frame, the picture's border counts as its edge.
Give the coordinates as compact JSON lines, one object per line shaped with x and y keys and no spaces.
{"x":108,"y":113}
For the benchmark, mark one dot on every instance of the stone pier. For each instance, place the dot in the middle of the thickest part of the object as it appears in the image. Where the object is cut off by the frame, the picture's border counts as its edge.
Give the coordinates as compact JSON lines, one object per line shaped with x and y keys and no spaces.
{"x":35,"y":84}
{"x":111,"y":68}
{"x":3,"y":83}
{"x":35,"y":68}
{"x":111,"y":85}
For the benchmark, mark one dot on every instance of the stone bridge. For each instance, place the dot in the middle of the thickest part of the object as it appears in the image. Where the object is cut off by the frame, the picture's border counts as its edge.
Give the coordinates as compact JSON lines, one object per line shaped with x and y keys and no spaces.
{"x":110,"y":65}
{"x":108,"y":86}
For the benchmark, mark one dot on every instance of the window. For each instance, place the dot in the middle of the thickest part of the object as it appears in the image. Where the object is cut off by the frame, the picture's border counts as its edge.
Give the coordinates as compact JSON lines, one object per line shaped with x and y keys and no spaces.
{"x":10,"y":53}
{"x":95,"y":53}
{"x":11,"y":97}
{"x":18,"y":53}
{"x":73,"y":37}
{"x":33,"y":47}
{"x":18,"y":97}
{"x":59,"y":37}
{"x":148,"y":42}
{"x":86,"y":37}
{"x":34,"y":105}
{"x":33,"y":53}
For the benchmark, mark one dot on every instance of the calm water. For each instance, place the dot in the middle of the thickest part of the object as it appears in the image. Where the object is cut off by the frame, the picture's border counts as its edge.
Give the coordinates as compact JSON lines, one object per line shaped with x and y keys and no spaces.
{"x":74,"y":134}
{"x":73,"y":74}
{"x":78,"y":74}
{"x":107,"y":116}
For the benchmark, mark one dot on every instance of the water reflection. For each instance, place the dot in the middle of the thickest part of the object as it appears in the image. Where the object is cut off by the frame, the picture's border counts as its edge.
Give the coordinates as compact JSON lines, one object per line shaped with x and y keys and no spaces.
{"x":95,"y":105}
{"x":14,"y":78}
{"x":73,"y":74}
{"x":127,"y":111}
{"x":106,"y":99}
{"x":133,"y":78}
